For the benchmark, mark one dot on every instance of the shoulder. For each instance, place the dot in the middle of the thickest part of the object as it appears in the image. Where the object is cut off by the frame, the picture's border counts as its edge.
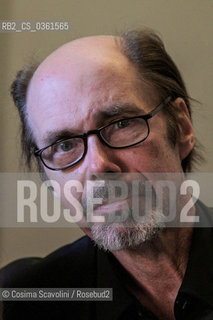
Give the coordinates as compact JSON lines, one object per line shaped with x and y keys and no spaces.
{"x":201,"y":206}
{"x":205,"y":215}
{"x":62,"y":268}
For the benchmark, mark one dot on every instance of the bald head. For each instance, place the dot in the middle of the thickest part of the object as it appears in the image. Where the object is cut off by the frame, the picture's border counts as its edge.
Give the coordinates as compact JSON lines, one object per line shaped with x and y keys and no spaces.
{"x":88,"y":53}
{"x":89,"y":49}
{"x":79,"y":59}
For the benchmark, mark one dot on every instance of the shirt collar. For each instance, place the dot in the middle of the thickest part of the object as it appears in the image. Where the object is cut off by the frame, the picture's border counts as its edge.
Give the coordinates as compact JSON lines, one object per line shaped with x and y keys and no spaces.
{"x":198,"y":279}
{"x":107,"y":277}
{"x":197,"y":282}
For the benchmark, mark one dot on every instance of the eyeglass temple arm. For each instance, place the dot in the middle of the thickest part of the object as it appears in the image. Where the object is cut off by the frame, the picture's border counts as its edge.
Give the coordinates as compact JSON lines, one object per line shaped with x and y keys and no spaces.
{"x":159,"y":107}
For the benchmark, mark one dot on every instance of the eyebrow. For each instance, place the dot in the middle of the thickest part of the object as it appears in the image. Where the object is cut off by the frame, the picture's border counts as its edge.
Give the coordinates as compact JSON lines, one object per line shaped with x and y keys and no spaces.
{"x":120,"y":110}
{"x":117,"y":110}
{"x":56,"y":135}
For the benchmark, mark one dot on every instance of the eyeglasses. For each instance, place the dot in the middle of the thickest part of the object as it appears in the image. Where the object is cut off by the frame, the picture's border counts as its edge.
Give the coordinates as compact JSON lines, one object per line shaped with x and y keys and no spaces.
{"x":119,"y":134}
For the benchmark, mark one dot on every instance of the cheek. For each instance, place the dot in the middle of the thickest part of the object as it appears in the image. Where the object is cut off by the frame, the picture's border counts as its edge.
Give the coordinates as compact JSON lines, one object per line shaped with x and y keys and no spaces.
{"x":141,"y":157}
{"x":69,"y":184}
{"x":151,"y":157}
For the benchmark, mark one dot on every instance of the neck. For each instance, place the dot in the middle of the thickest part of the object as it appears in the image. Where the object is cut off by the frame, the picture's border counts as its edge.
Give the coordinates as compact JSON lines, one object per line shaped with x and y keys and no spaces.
{"x":157,"y":269}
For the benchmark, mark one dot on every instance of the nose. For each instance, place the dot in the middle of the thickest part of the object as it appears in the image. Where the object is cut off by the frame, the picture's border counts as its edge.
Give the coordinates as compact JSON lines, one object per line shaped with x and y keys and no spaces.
{"x":100,"y":158}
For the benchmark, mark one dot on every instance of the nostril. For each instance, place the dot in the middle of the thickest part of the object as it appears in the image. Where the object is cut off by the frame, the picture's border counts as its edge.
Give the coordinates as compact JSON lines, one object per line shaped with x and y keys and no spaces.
{"x":107,"y":174}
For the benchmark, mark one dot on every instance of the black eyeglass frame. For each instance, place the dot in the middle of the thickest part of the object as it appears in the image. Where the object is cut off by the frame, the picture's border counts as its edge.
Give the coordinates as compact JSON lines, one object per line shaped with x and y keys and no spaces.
{"x":146,"y":117}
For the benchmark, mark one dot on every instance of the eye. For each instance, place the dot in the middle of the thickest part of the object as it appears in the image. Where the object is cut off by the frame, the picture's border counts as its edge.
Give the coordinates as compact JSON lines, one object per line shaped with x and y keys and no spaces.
{"x":122,"y":124}
{"x":65,"y":146}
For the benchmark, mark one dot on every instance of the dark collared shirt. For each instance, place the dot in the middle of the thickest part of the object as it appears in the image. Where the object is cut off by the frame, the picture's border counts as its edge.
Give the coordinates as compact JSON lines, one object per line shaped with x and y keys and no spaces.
{"x":81,"y":264}
{"x":195,"y":297}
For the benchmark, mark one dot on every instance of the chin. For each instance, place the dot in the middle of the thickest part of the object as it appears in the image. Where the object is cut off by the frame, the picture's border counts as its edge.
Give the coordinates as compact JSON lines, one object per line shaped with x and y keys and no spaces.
{"x":128,"y":235}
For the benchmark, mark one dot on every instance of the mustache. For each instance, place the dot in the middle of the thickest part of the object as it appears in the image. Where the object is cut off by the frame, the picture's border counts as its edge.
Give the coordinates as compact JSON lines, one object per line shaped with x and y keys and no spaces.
{"x":115,"y":190}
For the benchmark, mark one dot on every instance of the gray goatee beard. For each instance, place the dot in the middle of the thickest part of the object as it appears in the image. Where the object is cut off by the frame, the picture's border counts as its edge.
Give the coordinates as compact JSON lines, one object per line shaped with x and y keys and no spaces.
{"x":131,"y":233}
{"x":128,"y":235}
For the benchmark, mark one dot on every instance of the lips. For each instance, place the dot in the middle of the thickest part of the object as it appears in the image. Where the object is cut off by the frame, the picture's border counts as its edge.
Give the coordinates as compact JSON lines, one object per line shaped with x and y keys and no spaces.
{"x":116,"y":205}
{"x":114,"y":195}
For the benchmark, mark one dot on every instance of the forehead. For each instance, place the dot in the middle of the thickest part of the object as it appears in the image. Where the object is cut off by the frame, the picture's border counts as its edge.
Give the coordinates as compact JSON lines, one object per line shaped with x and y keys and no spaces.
{"x":75,"y":84}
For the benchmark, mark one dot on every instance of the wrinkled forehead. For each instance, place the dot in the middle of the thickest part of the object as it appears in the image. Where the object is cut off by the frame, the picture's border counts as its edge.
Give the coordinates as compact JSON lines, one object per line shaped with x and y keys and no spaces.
{"x":76,"y":61}
{"x":80,"y":61}
{"x":79,"y":78}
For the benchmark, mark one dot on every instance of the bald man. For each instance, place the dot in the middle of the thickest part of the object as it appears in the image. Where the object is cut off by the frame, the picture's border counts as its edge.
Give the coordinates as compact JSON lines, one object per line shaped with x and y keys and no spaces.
{"x":115,"y":108}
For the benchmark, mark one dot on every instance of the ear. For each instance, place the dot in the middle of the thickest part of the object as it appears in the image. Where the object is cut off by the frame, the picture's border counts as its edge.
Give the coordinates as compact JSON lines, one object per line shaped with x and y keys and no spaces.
{"x":186,"y":138}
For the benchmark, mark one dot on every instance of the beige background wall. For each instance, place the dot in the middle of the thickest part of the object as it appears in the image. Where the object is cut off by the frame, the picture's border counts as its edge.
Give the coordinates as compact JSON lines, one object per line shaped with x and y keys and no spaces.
{"x":186,"y":27}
